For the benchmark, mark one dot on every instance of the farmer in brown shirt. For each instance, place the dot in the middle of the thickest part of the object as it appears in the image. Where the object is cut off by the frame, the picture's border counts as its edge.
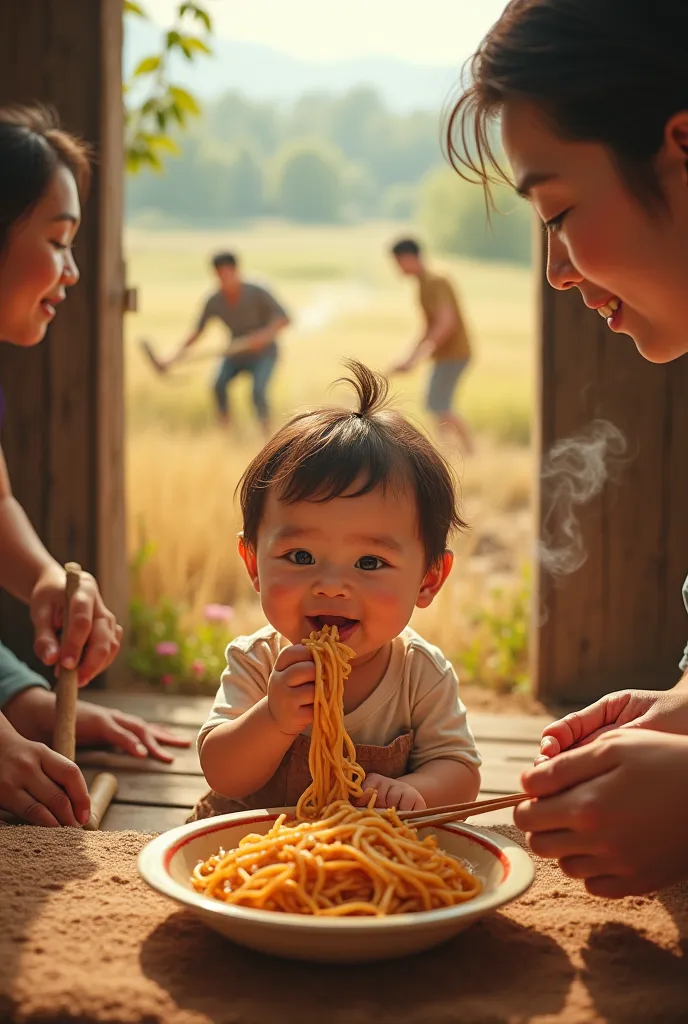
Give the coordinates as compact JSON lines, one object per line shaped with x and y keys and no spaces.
{"x":254,"y":318}
{"x":444,"y":341}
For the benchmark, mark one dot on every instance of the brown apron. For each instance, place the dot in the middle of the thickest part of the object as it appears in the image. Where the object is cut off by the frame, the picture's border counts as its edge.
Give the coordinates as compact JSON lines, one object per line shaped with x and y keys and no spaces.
{"x":293,"y":777}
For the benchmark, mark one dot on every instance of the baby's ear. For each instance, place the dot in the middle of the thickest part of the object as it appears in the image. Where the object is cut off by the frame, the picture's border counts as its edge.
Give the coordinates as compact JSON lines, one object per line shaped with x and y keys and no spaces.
{"x":434,"y":578}
{"x":248,"y":556}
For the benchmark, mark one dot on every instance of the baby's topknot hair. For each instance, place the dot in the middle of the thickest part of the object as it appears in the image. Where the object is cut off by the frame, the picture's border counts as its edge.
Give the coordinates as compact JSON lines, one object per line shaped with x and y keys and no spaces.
{"x":330,"y":453}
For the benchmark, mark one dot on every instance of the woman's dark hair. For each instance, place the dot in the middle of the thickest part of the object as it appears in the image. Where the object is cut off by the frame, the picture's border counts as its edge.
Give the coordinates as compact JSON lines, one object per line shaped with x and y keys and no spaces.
{"x":607,"y":71}
{"x":324,"y":454}
{"x":32,"y":146}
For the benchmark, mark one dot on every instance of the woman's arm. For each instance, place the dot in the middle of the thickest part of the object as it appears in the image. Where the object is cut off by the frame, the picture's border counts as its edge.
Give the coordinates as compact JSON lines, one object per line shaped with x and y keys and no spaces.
{"x":30,"y":573}
{"x":24,"y":558}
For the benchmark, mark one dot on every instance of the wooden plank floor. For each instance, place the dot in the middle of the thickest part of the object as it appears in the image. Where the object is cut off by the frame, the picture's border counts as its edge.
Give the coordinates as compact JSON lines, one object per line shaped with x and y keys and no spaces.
{"x":153,"y":796}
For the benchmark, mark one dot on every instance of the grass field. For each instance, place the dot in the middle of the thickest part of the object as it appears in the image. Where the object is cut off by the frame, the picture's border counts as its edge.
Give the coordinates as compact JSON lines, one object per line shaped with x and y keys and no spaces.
{"x":345,"y":300}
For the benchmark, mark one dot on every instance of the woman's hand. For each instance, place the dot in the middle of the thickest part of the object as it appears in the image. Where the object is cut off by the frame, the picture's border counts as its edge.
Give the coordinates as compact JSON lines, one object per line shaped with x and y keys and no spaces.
{"x":613,"y":812}
{"x":391,"y":793}
{"x":39,"y":785}
{"x":662,"y":710}
{"x":97,"y":727}
{"x":93,"y":638}
{"x":32,"y":713}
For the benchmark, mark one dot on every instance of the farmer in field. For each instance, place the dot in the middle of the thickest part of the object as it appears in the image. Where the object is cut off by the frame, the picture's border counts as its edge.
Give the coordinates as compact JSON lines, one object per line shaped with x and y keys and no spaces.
{"x":444,"y":341}
{"x":254,"y":318}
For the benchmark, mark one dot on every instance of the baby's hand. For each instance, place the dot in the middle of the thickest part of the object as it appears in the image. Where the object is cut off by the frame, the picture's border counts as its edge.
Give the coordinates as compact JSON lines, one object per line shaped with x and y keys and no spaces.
{"x":392,"y":793}
{"x":291,"y":690}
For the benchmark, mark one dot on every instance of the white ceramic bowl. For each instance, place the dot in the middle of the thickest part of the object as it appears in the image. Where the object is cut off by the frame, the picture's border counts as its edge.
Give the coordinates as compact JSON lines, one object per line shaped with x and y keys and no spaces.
{"x":167,"y":861}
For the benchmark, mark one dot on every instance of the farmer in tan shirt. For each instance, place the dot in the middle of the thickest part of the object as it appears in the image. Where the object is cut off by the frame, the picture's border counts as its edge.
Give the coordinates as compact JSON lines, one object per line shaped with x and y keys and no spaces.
{"x":444,"y":341}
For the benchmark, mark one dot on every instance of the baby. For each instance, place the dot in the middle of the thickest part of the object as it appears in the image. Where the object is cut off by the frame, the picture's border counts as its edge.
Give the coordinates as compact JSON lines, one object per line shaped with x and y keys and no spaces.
{"x":346,"y":518}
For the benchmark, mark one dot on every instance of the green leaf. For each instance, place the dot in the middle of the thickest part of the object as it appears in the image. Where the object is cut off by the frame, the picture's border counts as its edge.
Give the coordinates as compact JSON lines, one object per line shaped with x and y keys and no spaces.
{"x":147,"y":65}
{"x":184,"y":100}
{"x":198,"y":12}
{"x":205,"y":18}
{"x":133,"y":162}
{"x":175,"y":111}
{"x":165,"y":143}
{"x":172,"y":39}
{"x":151,"y":105}
{"x":133,"y":8}
{"x":151,"y":158}
{"x":195,"y":45}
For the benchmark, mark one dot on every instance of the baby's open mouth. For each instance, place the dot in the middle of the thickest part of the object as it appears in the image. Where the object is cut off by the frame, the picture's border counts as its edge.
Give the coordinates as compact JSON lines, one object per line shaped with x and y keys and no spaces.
{"x":343,"y":624}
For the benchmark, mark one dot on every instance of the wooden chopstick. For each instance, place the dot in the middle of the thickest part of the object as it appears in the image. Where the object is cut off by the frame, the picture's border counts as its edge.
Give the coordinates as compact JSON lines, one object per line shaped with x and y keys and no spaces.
{"x":457,"y":812}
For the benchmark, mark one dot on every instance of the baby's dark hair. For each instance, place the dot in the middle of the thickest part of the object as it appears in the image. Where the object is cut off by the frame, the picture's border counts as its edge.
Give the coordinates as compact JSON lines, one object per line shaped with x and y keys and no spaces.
{"x":331,"y":452}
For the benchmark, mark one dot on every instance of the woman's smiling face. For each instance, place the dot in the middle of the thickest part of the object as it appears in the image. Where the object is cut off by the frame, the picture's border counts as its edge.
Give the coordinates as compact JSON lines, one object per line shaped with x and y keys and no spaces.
{"x":37,"y":264}
{"x":628,"y":259}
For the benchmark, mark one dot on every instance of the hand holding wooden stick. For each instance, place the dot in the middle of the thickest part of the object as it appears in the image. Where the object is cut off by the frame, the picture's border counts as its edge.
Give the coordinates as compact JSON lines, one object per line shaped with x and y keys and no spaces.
{"x":104,"y":785}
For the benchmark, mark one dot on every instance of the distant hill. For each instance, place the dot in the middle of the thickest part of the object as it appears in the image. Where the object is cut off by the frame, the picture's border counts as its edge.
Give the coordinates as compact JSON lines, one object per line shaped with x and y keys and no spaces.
{"x":263,"y":73}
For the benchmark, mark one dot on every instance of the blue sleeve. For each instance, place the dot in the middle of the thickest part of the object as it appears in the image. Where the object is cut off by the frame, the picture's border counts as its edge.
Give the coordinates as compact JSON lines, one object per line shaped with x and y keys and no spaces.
{"x":15,"y":676}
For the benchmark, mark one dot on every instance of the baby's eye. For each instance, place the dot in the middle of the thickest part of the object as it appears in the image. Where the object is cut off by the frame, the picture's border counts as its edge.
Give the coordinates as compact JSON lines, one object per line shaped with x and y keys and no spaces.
{"x":300,"y":557}
{"x":369,"y":562}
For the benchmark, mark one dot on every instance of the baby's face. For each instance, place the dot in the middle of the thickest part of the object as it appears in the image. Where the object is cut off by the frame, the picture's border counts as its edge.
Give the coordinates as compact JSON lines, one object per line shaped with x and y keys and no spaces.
{"x":357,"y":563}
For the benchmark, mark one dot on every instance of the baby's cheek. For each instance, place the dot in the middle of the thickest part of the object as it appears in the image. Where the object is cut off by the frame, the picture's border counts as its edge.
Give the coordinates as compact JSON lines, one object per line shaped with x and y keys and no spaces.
{"x":279,"y":596}
{"x":392,"y":608}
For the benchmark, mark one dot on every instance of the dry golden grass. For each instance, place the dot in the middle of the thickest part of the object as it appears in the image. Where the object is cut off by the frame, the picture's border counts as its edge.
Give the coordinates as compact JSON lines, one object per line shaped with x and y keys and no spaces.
{"x":345,"y":300}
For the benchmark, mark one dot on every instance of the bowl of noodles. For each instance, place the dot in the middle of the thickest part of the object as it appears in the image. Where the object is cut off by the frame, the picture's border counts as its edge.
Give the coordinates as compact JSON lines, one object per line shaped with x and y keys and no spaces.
{"x":169,"y":862}
{"x":332,"y":879}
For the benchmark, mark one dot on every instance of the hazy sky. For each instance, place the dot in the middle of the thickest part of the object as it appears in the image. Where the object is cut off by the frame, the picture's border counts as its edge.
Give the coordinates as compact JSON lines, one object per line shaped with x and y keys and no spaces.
{"x":421,"y":31}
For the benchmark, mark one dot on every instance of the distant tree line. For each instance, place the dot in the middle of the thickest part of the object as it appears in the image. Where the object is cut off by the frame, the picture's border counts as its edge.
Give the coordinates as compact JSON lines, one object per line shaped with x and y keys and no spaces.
{"x":326,"y":159}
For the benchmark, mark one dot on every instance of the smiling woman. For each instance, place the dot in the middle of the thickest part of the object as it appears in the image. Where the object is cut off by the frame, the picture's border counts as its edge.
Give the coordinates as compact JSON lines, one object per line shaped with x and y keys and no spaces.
{"x":44,"y":174}
{"x":593,"y":101}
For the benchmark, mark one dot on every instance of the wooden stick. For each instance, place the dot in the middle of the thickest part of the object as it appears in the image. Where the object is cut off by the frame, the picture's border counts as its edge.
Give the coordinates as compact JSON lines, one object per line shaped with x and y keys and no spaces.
{"x":64,"y":733}
{"x":237,"y":349}
{"x":458,"y":812}
{"x":102,"y":792}
{"x":104,"y":786}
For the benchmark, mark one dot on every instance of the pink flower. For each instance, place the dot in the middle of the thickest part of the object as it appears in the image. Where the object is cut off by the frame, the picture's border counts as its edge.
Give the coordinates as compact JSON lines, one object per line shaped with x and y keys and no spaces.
{"x":167,"y":680}
{"x":218,"y":612}
{"x":167,"y":648}
{"x":198,"y":667}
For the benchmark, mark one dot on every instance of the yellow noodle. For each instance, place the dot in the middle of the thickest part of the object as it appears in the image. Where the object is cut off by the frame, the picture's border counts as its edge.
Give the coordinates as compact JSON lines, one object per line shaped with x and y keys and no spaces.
{"x":336,"y":860}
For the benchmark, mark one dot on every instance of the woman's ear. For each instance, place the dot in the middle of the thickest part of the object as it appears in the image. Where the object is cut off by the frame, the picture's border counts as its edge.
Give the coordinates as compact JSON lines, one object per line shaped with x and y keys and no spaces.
{"x":433,"y":580}
{"x":674,"y":151}
{"x":677,"y":130}
{"x":248,"y":556}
